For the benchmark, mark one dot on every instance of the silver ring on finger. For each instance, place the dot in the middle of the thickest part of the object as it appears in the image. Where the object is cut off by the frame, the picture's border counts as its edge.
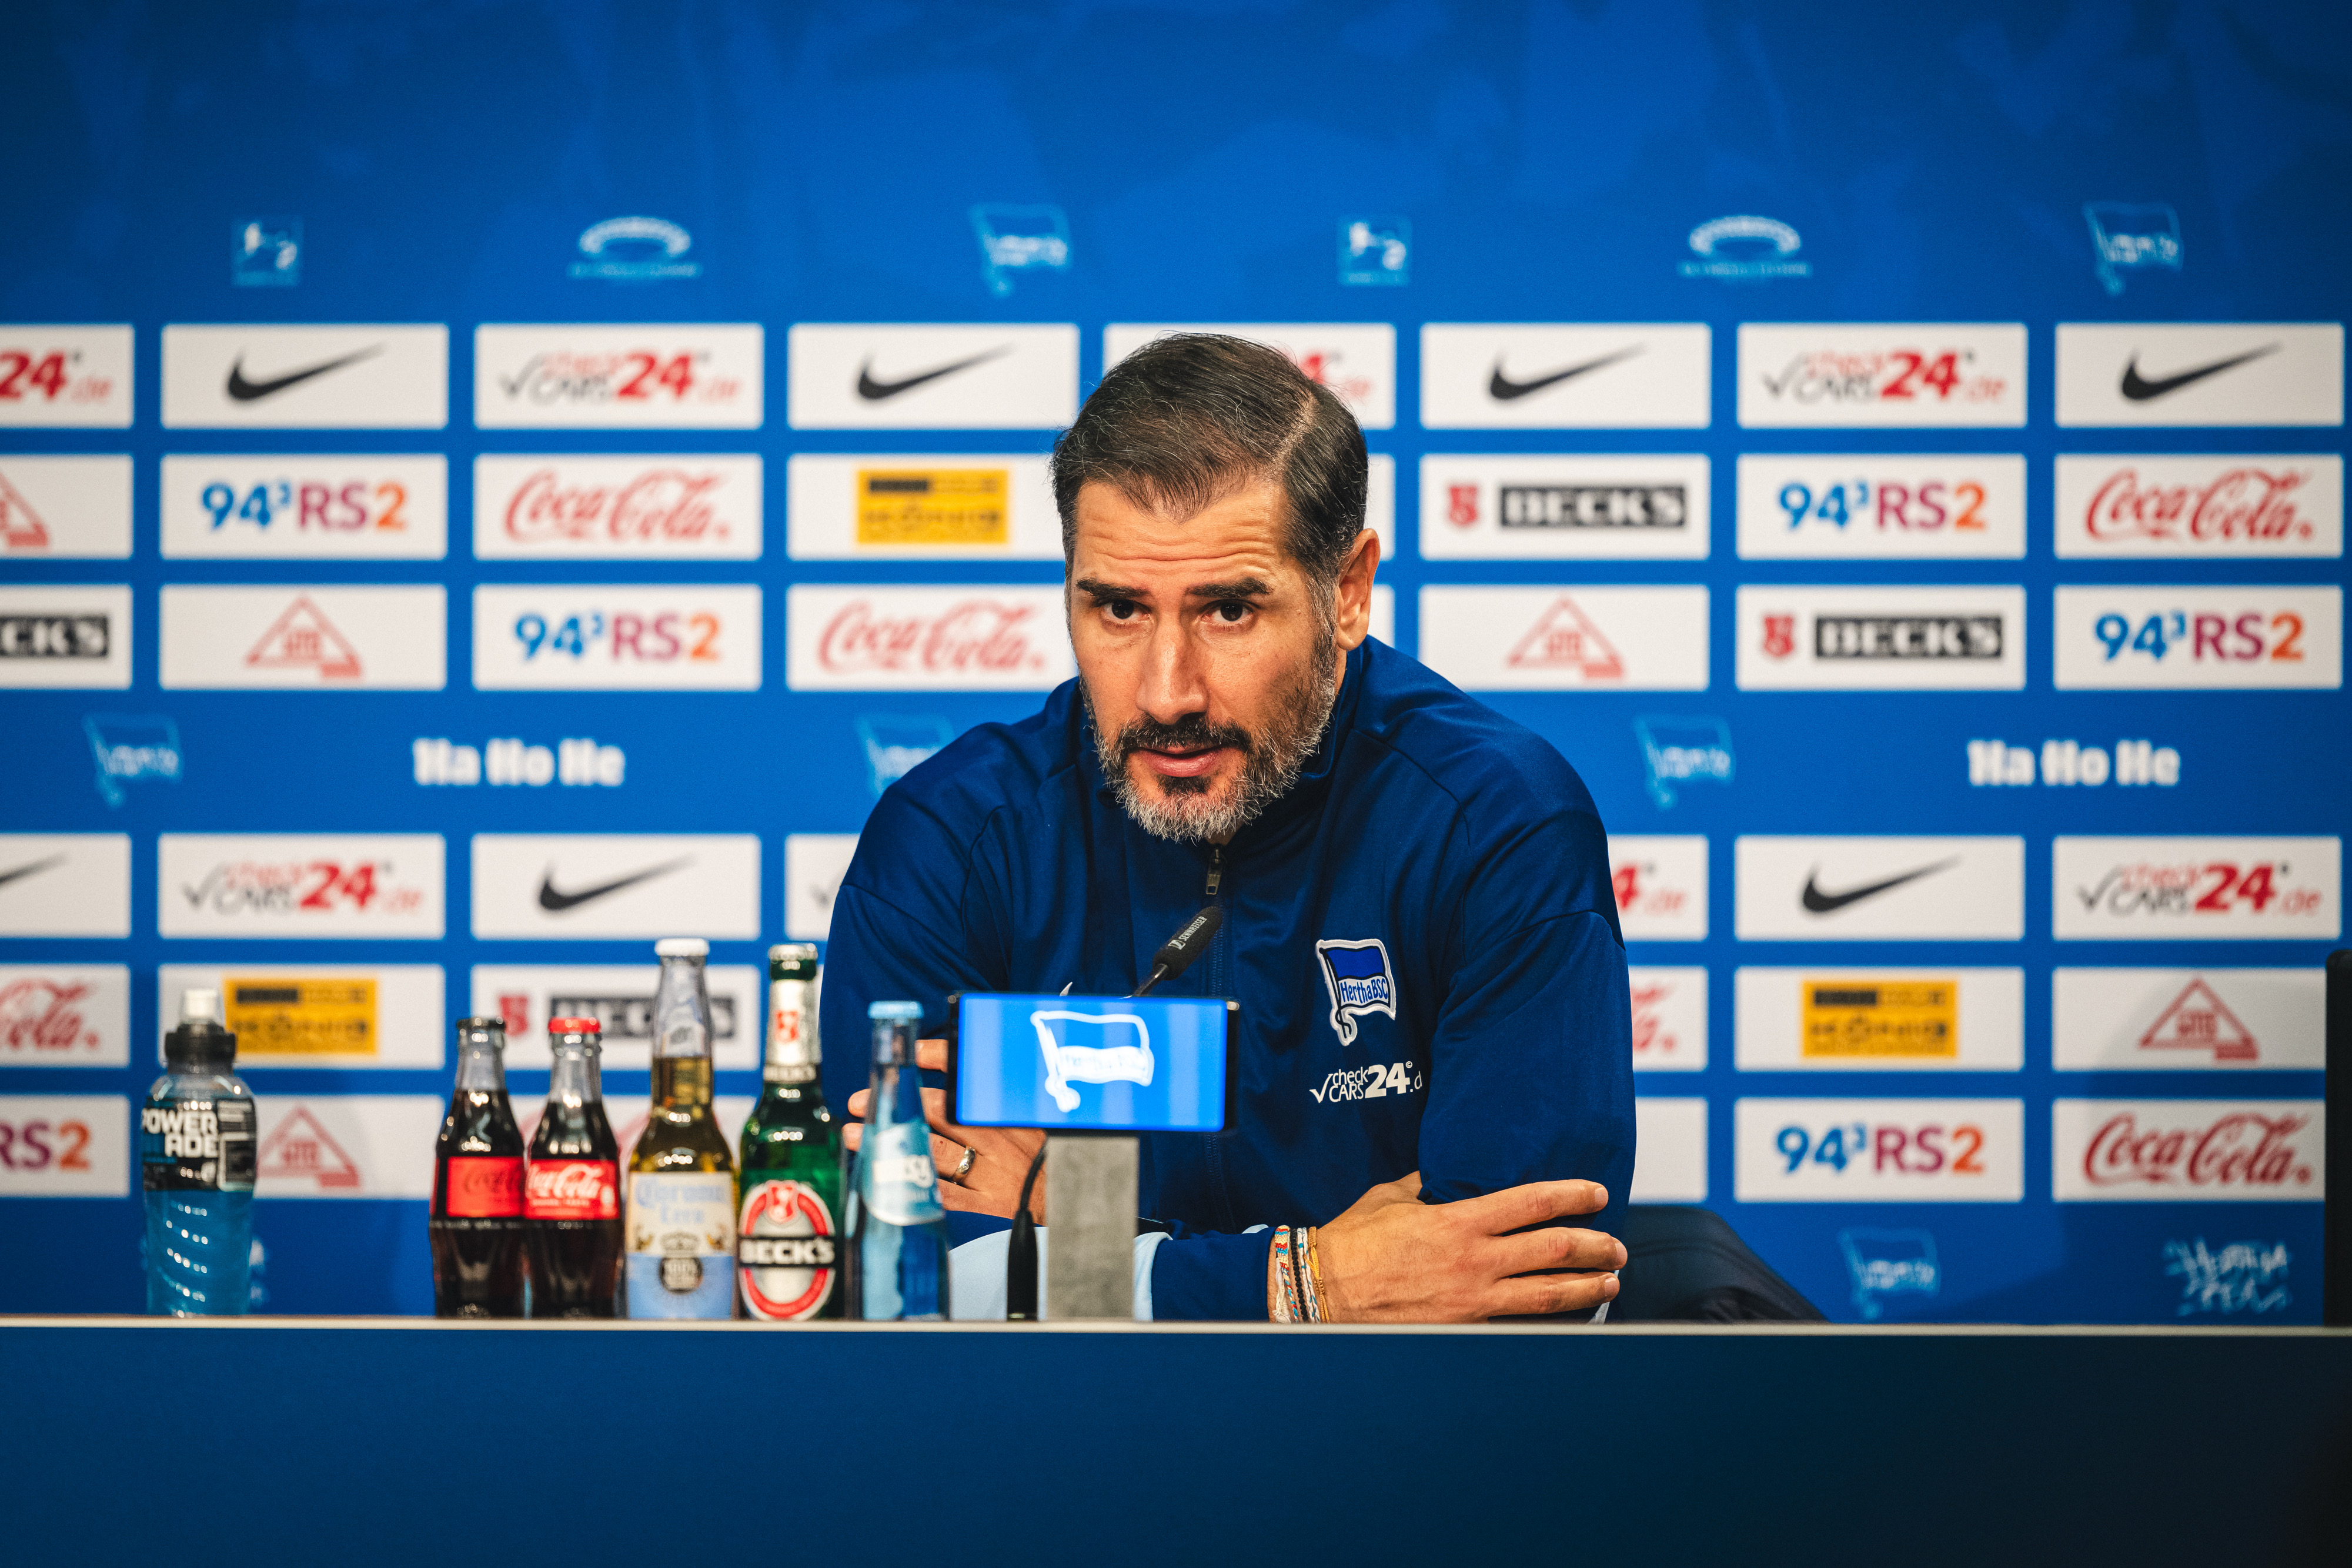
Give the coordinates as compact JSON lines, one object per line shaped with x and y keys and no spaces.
{"x":963,"y":1167}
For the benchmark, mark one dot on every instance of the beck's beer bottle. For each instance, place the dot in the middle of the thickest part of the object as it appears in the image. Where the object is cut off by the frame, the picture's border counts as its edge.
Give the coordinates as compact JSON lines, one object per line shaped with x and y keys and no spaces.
{"x":788,"y":1229}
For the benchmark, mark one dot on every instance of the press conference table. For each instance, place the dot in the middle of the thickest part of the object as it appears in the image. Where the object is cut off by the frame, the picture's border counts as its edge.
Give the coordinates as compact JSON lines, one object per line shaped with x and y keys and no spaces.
{"x":367,"y":1440}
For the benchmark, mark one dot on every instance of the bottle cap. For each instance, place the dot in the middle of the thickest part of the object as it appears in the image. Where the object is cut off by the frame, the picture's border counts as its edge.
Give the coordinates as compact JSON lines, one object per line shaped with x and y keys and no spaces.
{"x":681,"y":947}
{"x":474,"y":1026}
{"x":199,"y":1042}
{"x":574,"y":1026}
{"x":896,"y":1012}
{"x":200,"y":1006}
{"x":793,"y":953}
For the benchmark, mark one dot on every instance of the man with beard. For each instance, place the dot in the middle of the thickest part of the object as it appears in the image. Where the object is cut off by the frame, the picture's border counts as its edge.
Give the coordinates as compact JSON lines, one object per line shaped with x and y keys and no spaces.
{"x":1434,"y":1053}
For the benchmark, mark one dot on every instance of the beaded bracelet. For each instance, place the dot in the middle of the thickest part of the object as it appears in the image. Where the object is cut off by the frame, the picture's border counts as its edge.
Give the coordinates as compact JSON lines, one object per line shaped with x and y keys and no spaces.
{"x":1287,"y":1307}
{"x":1311,"y":1278}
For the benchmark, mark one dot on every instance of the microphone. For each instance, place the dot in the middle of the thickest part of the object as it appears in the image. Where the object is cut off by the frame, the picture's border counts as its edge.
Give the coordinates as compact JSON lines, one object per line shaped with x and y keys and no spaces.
{"x":1183,"y":947}
{"x":1021,"y":1247}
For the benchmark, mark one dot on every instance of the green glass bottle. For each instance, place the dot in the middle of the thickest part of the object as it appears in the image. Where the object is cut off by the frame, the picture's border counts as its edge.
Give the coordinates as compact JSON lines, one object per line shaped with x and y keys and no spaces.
{"x":787,"y":1236}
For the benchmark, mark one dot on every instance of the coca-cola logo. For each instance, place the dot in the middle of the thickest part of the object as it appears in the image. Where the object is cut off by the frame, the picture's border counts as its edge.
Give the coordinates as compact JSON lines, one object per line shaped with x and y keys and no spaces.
{"x":40,"y":1015}
{"x":973,"y":636}
{"x":572,"y":1190}
{"x":2238,"y":505}
{"x":664,"y":505}
{"x":2241,"y":1149}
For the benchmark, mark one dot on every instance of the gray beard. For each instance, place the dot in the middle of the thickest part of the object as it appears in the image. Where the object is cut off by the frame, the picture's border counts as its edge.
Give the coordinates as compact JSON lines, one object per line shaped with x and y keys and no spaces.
{"x":1178,"y":809}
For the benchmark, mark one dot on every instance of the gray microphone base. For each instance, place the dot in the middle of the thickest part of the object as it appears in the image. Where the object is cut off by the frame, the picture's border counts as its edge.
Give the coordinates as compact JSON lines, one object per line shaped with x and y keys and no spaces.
{"x":1090,"y":1185}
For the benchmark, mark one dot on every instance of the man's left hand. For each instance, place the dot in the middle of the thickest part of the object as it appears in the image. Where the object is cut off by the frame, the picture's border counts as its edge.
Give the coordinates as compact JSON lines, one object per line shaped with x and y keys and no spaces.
{"x":1001,"y":1155}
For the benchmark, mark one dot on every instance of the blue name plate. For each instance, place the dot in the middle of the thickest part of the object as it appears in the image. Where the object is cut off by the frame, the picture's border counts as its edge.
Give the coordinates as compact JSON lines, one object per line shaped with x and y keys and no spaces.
{"x":1112,"y":1064}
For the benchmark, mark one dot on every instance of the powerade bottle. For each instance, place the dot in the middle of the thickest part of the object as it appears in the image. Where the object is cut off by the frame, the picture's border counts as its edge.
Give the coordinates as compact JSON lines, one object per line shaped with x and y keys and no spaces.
{"x":196,"y":1164}
{"x":901,"y":1237}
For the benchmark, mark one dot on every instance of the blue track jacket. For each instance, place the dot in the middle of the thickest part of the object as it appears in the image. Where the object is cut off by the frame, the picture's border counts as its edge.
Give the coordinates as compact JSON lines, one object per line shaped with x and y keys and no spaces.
{"x":1421,"y":935}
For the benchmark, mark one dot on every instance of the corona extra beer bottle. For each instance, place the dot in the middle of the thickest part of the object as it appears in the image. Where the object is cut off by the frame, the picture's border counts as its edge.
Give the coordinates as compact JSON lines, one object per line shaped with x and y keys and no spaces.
{"x":680,"y":1219}
{"x":787,"y":1234}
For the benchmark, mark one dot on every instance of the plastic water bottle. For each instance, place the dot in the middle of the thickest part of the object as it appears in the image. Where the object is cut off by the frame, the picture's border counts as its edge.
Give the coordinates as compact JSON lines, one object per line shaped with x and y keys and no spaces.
{"x":900,"y":1235}
{"x":197,"y":1162}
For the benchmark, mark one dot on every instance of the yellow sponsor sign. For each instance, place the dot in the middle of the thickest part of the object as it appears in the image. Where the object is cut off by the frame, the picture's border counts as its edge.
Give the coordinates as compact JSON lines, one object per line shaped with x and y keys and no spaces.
{"x":309,"y":1016}
{"x":1881,"y":1018}
{"x":934,"y":505}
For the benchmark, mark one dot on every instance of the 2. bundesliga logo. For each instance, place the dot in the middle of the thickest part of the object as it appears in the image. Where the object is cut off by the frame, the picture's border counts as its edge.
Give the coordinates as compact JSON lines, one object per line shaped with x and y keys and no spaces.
{"x":1357,"y":975}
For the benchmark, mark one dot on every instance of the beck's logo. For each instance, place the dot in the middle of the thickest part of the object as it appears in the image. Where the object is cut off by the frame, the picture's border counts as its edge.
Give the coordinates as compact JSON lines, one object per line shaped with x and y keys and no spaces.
{"x":1360,"y":980}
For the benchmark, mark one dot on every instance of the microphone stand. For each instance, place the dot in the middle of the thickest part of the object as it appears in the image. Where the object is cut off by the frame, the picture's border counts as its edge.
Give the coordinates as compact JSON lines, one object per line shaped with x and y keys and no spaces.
{"x":1090,"y":1188}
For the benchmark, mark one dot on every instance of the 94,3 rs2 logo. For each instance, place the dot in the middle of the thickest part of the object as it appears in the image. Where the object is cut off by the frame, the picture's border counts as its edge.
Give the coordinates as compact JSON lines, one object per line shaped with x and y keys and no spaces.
{"x":680,"y":638}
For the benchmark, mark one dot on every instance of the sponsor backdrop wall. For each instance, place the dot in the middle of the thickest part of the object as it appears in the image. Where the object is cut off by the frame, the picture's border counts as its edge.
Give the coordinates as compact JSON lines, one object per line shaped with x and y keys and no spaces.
{"x":484,"y":486}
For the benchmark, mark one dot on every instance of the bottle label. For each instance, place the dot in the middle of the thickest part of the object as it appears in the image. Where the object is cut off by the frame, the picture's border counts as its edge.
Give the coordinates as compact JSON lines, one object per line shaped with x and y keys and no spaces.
{"x":196,"y":1146}
{"x":681,"y":1244}
{"x":896,"y":1176}
{"x":792,"y":1031}
{"x":483,"y":1187}
{"x":572,"y":1190}
{"x":784,"y":1251}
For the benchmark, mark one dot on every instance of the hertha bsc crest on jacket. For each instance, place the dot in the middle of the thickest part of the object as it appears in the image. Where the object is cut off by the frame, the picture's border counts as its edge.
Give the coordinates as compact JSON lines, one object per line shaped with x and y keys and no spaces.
{"x":1358,"y":975}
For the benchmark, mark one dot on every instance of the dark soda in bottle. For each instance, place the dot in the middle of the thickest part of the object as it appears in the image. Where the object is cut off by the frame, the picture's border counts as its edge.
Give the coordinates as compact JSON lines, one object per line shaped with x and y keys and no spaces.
{"x":572,"y":1186}
{"x":476,"y":1216}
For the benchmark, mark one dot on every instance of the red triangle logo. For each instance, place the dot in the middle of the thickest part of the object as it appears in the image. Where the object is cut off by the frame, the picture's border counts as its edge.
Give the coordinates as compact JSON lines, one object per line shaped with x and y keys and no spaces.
{"x":303,"y":638}
{"x":20,"y":526}
{"x":300,"y":1150}
{"x":2198,"y":1020}
{"x":1566,"y":639}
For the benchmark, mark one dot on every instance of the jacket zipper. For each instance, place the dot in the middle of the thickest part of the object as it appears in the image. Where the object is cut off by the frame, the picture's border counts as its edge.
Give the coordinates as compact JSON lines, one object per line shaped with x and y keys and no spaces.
{"x":1212,"y":1148}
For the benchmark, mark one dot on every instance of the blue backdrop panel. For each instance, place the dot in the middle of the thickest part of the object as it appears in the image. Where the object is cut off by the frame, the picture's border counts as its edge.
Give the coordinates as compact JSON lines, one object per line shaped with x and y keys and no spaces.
{"x":1096,"y":164}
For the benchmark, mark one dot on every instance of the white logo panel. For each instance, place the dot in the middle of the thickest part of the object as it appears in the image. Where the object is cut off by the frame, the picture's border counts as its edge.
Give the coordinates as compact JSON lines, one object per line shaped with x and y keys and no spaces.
{"x":308,"y":637}
{"x":1356,"y":359}
{"x":298,"y":886}
{"x":1858,"y":889}
{"x":65,"y":1015}
{"x":2184,"y":639}
{"x":65,"y":376}
{"x":599,"y":637}
{"x":1660,"y":881}
{"x":1669,"y":1017}
{"x":1629,"y":376}
{"x":1802,"y":637}
{"x":682,"y":506}
{"x":2188,"y":1151}
{"x":1873,"y":506}
{"x":53,"y":636}
{"x":306,"y":378}
{"x":886,"y":637}
{"x":933,"y":506}
{"x":662,"y":376}
{"x":873,"y":377}
{"x":1566,"y":638}
{"x":346,"y":1146}
{"x":66,"y":1145}
{"x":1851,"y":1018}
{"x":2193,"y":889}
{"x":65,"y":884}
{"x":2200,"y":508}
{"x":1902,"y":374}
{"x":341,"y":1015}
{"x":616,"y":885}
{"x":2231,"y":373}
{"x":370,"y":507}
{"x":1499,"y":507}
{"x":1670,"y":1140}
{"x":815,"y":864}
{"x":56,"y":509}
{"x":1879,"y":1151}
{"x":620,"y":996}
{"x":2174,"y":1020}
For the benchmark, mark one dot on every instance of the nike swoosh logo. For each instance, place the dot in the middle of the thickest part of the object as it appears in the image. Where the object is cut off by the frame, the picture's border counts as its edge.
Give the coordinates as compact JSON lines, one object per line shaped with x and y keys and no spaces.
{"x":1503,"y":389}
{"x":243,"y":391}
{"x":23,"y":871}
{"x":556,"y":902}
{"x":1821,"y":903}
{"x":2140,"y":391}
{"x":873,"y":390}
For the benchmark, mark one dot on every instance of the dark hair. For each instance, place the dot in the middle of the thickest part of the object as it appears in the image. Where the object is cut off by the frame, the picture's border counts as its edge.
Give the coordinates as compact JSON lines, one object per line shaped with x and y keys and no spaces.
{"x":1188,"y":419}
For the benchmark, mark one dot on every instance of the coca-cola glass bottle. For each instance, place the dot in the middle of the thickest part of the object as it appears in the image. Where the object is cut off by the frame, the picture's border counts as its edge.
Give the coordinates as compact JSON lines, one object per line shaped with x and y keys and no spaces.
{"x":476,"y":1218}
{"x":571,"y":1191}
